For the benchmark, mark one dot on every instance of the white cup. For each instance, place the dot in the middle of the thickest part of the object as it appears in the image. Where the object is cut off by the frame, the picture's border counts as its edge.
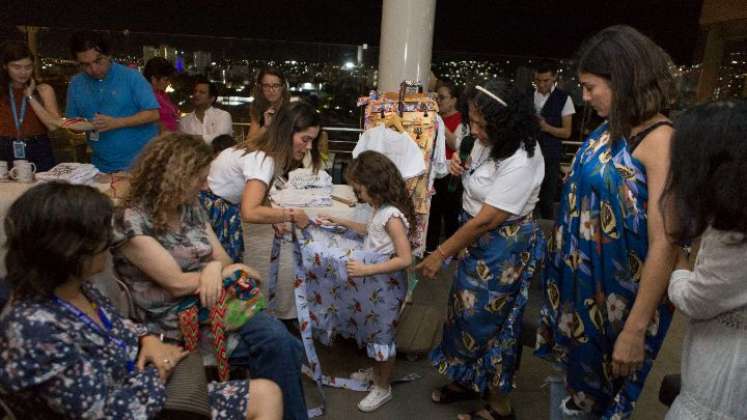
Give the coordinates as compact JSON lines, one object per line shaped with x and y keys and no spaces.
{"x":3,"y":170}
{"x":23,"y":171}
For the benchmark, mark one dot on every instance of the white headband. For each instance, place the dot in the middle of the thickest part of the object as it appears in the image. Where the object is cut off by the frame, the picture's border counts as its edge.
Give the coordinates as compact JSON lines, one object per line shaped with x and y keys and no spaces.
{"x":492,"y":95}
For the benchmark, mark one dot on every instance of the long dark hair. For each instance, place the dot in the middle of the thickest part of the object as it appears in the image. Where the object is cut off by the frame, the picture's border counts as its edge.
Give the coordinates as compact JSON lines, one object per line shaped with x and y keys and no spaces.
{"x":12,"y":51}
{"x":277,"y":141}
{"x":708,"y":169}
{"x":261,"y":104}
{"x":639,"y":73}
{"x":52,"y":230}
{"x":507,"y":126}
{"x":383,"y":183}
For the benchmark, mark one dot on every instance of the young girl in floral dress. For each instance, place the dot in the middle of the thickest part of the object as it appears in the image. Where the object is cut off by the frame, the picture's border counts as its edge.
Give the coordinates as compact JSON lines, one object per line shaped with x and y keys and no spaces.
{"x":377,"y":182}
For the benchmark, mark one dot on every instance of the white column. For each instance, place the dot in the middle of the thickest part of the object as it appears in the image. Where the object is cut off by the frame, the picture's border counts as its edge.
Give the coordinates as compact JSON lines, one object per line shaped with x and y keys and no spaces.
{"x":406,"y":42}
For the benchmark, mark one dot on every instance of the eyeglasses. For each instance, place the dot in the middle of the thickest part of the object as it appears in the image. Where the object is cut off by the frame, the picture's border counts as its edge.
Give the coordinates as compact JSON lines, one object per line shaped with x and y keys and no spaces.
{"x":271,"y":86}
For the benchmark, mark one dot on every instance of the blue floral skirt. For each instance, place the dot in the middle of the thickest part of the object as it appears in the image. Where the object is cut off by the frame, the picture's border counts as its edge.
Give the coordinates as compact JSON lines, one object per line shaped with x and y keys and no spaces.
{"x":481,"y":336}
{"x":225,"y":219}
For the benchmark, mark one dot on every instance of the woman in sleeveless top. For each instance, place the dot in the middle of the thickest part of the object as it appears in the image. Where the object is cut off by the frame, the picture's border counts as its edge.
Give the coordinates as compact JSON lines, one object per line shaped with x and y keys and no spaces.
{"x":606,"y":312}
{"x":24,"y":117}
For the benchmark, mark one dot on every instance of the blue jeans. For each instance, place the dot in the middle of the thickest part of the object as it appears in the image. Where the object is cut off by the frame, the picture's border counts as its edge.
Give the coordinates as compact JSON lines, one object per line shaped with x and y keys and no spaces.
{"x":269,"y":351}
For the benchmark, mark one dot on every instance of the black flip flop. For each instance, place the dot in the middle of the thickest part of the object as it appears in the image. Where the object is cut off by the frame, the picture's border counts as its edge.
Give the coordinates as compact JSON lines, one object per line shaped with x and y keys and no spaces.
{"x":494,"y":414}
{"x":447,"y":395}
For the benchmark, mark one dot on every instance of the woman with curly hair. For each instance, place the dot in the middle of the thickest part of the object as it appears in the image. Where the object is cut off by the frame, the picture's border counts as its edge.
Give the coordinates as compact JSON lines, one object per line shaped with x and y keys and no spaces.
{"x":606,"y":312}
{"x":165,"y":251}
{"x":65,"y":352}
{"x":378,"y":183}
{"x":270,"y":93}
{"x":503,"y":243}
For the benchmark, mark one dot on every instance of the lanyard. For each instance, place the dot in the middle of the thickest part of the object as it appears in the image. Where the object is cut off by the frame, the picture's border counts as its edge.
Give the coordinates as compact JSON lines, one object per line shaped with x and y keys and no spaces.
{"x":24,"y":104}
{"x":106,"y":331}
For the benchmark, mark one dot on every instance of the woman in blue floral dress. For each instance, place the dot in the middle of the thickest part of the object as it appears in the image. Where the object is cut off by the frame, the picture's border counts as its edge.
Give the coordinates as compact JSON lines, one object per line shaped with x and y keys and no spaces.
{"x":503,"y":244}
{"x":64,"y":350}
{"x":606,"y":311}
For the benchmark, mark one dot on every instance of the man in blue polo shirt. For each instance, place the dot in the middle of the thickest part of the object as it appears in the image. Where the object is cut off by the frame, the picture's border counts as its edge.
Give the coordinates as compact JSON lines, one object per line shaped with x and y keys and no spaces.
{"x":117,"y":100}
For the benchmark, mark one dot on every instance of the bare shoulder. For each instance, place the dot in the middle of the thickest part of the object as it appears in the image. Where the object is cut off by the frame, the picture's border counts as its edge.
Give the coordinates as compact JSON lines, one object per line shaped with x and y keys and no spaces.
{"x":44,"y":88}
{"x":655,"y":146}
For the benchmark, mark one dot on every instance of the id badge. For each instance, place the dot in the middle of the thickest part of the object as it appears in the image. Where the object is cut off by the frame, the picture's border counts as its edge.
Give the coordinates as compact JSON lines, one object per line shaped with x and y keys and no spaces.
{"x":19,"y":149}
{"x":93,"y":135}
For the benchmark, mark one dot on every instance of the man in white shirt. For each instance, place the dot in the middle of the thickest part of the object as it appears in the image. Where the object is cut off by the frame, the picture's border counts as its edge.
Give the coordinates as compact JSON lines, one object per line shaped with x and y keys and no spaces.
{"x":555,"y":116}
{"x":206,"y":120}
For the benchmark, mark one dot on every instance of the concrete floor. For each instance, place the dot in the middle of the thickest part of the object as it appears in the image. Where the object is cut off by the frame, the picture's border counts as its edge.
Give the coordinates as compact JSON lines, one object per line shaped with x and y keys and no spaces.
{"x":412,"y":400}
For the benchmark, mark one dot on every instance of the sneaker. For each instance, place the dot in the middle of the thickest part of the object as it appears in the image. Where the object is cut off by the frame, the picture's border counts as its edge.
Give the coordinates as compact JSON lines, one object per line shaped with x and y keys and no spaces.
{"x":376,"y":398}
{"x":363,"y":375}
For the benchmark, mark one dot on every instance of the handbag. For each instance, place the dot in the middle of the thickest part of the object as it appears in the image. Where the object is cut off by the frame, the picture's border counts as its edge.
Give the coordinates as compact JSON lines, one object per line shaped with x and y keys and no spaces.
{"x":238,"y":302}
{"x":187,"y":391}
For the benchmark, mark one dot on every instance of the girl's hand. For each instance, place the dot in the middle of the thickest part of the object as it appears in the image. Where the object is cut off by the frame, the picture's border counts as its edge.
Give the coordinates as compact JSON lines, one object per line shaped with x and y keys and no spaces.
{"x":211,"y":284}
{"x":357,"y":269}
{"x":455,"y":165}
{"x":628,"y":353}
{"x":430,"y":266}
{"x":327,"y":220}
{"x":163,"y":356}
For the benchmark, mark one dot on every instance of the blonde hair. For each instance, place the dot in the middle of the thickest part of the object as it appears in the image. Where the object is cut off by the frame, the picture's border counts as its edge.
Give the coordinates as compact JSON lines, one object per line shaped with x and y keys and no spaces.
{"x":164,"y":172}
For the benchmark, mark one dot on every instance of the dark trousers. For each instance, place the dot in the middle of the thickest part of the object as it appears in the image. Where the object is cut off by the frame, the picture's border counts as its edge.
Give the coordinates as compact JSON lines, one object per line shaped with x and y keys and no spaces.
{"x":269,"y":351}
{"x":549,"y":190}
{"x":38,"y":151}
{"x":445,"y":208}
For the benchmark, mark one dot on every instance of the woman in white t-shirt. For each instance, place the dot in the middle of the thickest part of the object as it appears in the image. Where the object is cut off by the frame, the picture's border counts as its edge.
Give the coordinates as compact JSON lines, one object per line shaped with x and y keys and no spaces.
{"x":241,"y":176}
{"x":502,"y":179}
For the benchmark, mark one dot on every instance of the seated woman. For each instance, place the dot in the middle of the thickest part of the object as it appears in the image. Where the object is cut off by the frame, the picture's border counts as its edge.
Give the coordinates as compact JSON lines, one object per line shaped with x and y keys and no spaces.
{"x":165,"y":251}
{"x":65,"y":350}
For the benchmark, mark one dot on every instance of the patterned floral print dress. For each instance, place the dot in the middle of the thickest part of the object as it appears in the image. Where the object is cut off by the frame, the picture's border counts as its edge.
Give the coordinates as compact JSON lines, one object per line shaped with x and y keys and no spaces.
{"x":480,"y":342}
{"x":593,"y":270}
{"x":53,"y":364}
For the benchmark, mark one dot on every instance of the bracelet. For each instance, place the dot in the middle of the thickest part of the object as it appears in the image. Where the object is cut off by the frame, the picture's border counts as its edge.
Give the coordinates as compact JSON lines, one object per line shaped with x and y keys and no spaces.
{"x":441,"y":253}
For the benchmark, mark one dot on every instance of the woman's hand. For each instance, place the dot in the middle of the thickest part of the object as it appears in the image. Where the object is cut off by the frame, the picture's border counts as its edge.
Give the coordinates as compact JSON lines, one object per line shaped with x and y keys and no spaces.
{"x":280,"y":229}
{"x":230,"y":269}
{"x":455,"y":165}
{"x":301,"y":218}
{"x":268,"y":116}
{"x":430,"y":266}
{"x":357,"y":269}
{"x":628,"y":354}
{"x":211,"y":284}
{"x":163,"y":356}
{"x":31,"y":87}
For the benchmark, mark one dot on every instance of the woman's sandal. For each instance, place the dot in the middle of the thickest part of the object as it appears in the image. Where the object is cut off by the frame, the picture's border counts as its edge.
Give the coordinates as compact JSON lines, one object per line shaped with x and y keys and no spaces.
{"x":448,"y":395}
{"x":494,"y":415}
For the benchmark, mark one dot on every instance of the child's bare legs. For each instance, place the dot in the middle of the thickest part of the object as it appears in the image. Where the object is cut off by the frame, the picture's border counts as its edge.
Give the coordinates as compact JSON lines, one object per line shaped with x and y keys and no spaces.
{"x":381,"y":392}
{"x":265,"y":400}
{"x":383,"y":372}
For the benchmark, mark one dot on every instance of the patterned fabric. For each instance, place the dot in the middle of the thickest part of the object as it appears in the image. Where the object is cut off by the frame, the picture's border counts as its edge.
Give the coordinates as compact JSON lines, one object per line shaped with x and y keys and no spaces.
{"x":225,"y":219}
{"x":52,"y":364}
{"x":366,"y":308}
{"x":239,"y":300}
{"x":594,"y":265}
{"x":481,"y":336}
{"x":154,"y":306}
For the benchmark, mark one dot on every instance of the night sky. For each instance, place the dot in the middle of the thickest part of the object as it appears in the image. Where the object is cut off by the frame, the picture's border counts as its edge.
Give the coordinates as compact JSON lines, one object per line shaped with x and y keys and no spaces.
{"x":522,"y":27}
